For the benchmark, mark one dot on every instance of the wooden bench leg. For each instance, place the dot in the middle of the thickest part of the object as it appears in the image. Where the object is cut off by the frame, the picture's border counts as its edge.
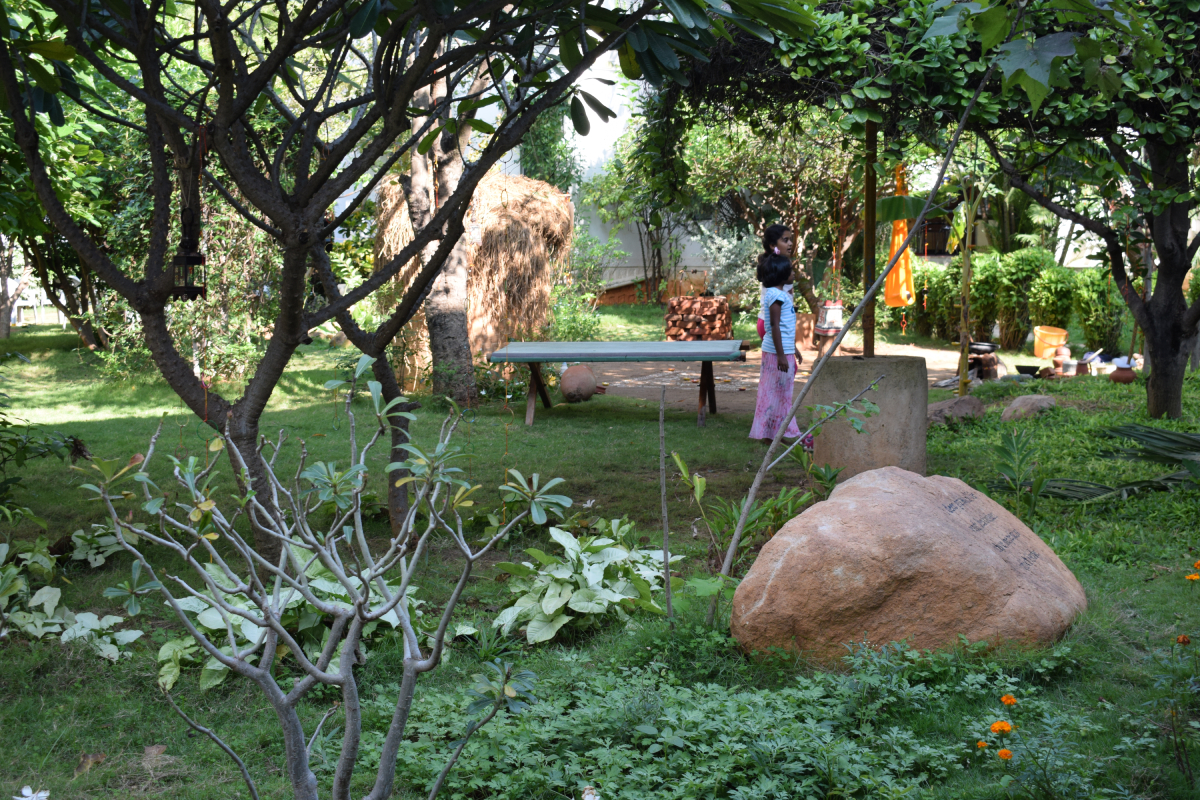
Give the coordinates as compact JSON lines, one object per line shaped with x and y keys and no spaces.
{"x":536,"y":388}
{"x":712,"y":385}
{"x":708,"y":395}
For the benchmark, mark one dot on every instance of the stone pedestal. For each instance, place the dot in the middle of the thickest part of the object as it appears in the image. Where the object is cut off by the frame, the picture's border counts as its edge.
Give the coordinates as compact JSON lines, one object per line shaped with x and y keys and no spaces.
{"x":895,"y":437}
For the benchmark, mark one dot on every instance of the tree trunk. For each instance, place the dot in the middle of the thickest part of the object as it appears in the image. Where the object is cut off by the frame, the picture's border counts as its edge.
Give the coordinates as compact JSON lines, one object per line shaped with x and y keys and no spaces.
{"x":449,"y":341}
{"x":1169,"y":326}
{"x":397,"y":496}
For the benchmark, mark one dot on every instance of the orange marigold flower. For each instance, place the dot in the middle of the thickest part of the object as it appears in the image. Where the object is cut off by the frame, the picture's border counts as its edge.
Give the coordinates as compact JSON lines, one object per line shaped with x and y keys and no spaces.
{"x":1008,"y":700}
{"x":1000,"y":726}
{"x":1005,"y":754}
{"x":1182,"y":639}
{"x":981,"y":744}
{"x":1196,"y":565}
{"x":1195,"y":576}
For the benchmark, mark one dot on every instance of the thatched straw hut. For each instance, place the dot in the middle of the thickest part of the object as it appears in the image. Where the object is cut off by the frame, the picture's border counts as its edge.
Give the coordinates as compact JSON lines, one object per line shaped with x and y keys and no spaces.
{"x":520,"y":231}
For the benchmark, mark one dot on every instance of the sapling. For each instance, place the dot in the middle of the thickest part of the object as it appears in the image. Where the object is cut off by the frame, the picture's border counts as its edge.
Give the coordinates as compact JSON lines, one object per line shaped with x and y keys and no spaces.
{"x":251,"y":594}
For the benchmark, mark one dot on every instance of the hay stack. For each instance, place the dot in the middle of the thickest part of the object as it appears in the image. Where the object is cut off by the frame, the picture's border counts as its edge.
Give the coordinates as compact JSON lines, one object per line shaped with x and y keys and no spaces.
{"x":525,"y":228}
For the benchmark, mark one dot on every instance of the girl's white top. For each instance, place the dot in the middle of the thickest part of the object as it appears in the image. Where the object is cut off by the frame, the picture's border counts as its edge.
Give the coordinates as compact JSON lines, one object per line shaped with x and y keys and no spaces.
{"x":762,"y":309}
{"x":787,"y":319}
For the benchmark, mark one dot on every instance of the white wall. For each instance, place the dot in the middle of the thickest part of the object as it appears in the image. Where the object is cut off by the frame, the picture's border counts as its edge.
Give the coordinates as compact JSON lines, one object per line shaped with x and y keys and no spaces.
{"x":596,"y":150}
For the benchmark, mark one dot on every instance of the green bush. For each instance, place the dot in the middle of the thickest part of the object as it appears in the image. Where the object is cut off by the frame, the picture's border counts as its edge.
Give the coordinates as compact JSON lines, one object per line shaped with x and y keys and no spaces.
{"x":1101,"y":310}
{"x":1193,"y":293}
{"x":1018,"y":271}
{"x":936,"y":313}
{"x":573,"y":316}
{"x":1052,"y":296}
{"x":987,"y":284}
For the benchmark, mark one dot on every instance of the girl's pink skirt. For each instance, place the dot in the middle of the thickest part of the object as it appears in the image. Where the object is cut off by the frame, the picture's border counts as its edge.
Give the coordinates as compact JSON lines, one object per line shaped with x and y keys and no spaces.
{"x":774,"y":399}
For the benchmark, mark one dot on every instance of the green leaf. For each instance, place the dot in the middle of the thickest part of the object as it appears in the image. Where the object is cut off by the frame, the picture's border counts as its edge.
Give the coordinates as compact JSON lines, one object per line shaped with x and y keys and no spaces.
{"x":586,"y":601}
{"x":1036,"y":57}
{"x":945,"y":25}
{"x":542,"y":558}
{"x":568,"y":49}
{"x":579,"y":117}
{"x":628,"y":61}
{"x":365,"y":19}
{"x":555,"y":598}
{"x":542,"y":628}
{"x":168,"y":674}
{"x":520,"y":570}
{"x":55,"y":50}
{"x":992,"y":26}
{"x":891,"y":209}
{"x":211,"y":677}
{"x":42,"y":77}
{"x":603,"y":111}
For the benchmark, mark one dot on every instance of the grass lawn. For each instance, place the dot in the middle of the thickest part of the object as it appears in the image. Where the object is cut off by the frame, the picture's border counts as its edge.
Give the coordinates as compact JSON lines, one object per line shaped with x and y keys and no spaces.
{"x":643,"y":322}
{"x":892,"y":719}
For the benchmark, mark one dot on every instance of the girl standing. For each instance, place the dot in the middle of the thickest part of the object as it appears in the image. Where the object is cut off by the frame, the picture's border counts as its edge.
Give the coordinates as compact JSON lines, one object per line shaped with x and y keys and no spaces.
{"x":778,"y":241}
{"x":779,"y":359}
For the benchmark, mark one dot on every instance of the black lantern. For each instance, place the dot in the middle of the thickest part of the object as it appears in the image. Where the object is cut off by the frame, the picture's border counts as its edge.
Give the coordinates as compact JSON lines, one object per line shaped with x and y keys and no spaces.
{"x":188,"y":264}
{"x":189,"y":276}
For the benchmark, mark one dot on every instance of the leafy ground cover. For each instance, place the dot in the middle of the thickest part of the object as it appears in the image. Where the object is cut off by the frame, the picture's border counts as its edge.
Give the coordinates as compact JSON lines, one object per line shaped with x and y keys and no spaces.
{"x":646,"y":712}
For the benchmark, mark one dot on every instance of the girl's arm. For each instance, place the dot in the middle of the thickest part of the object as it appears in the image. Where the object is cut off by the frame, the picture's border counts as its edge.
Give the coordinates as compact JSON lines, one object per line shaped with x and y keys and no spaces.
{"x":780,"y":357}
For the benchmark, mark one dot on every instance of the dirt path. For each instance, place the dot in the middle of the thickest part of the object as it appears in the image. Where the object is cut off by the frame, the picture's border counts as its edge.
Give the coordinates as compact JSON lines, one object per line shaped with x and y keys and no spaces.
{"x":737,"y":382}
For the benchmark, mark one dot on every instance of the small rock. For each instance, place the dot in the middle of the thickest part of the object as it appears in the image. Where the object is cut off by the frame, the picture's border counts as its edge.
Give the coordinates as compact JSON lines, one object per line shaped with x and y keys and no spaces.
{"x":1029,"y":405}
{"x":893,"y":556}
{"x":956,"y":408}
{"x":578,"y":383}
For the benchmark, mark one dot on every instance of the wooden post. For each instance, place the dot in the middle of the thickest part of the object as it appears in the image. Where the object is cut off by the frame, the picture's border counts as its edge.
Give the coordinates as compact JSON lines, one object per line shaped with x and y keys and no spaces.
{"x":869,"y":192}
{"x":662,"y":481}
{"x":964,"y":322}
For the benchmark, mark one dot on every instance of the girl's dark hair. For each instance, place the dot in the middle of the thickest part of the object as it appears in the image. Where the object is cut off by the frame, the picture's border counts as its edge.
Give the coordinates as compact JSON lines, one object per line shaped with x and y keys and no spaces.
{"x":771,"y":236}
{"x":773,"y":270}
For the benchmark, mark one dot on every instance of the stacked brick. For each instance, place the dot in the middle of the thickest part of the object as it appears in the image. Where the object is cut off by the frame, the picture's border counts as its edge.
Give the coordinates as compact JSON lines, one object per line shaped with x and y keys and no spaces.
{"x":698,"y":319}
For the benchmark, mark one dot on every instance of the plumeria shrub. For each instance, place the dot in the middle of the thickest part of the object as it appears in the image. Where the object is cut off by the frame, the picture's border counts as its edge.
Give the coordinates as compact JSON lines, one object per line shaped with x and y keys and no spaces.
{"x":597,"y":578}
{"x":319,"y":602}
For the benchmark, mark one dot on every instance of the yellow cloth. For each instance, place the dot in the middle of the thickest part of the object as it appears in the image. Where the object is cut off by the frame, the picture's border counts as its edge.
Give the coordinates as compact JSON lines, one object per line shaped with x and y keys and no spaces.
{"x":898,"y":289}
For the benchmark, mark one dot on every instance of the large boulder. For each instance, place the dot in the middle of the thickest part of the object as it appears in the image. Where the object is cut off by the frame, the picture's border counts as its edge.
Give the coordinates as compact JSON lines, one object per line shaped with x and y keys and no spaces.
{"x":893,"y":556}
{"x":1028,"y":405}
{"x":954,"y":409}
{"x":578,"y":383}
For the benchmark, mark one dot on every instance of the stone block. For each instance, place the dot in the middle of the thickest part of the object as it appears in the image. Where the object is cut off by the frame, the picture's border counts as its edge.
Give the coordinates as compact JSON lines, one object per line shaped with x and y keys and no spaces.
{"x":895,"y":437}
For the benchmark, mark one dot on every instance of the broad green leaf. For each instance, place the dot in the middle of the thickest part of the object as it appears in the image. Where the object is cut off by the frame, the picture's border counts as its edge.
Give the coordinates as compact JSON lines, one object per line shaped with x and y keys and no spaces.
{"x":992,"y":26}
{"x":569,"y":543}
{"x":891,"y":209}
{"x":945,"y":25}
{"x":47,"y":597}
{"x":542,"y":628}
{"x":520,"y":570}
{"x":1036,"y":57}
{"x":541,"y":557}
{"x":555,"y":598}
{"x":55,"y":50}
{"x":123,"y":638}
{"x":168,"y":674}
{"x":586,"y":601}
{"x":213,"y":676}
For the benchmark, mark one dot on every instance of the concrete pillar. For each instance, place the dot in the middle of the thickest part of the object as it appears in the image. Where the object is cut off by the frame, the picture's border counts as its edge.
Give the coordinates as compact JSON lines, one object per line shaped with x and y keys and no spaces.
{"x":895,"y":437}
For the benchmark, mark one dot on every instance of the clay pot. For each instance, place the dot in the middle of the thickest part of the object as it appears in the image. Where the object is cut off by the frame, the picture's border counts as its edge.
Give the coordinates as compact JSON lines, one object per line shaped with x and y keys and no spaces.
{"x":1122,"y":375}
{"x":1062,"y":351}
{"x":1058,"y":364}
{"x":578,"y":383}
{"x":1081,"y":369}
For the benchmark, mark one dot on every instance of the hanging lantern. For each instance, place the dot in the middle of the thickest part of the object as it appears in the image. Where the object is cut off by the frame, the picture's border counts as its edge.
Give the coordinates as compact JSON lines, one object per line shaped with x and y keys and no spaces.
{"x":829,"y":320}
{"x":188,"y":265}
{"x":189,"y":276}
